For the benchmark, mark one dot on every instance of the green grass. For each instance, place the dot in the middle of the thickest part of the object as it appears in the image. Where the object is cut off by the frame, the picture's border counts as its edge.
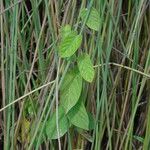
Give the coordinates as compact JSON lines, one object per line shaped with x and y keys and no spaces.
{"x":33,"y":72}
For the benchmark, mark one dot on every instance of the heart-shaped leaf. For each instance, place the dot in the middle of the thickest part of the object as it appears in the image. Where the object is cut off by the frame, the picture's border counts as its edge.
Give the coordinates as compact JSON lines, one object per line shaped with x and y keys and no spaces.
{"x":78,"y":116}
{"x":71,"y":89}
{"x":70,"y":42}
{"x":85,"y":67}
{"x":51,"y":127}
{"x":93,"y":20}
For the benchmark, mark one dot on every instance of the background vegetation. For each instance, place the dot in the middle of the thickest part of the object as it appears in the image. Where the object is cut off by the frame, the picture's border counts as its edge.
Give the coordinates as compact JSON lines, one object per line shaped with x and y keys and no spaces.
{"x":117,"y":40}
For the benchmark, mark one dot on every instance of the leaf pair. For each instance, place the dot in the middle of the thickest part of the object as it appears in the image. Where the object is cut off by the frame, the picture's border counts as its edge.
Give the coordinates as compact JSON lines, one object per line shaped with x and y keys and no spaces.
{"x":71,"y":88}
{"x":69,"y":44}
{"x":76,"y":116}
{"x":70,"y":40}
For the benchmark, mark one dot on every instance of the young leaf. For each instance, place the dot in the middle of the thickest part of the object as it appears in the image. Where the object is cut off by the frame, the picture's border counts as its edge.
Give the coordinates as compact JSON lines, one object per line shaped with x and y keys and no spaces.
{"x":69,"y":44}
{"x":51,"y":128}
{"x":71,"y":89}
{"x":65,"y":31}
{"x":78,"y":116}
{"x":93,"y":20}
{"x":85,"y":67}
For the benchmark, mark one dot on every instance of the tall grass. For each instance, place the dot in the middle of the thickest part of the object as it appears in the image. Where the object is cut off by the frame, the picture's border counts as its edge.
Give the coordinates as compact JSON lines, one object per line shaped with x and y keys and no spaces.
{"x":32,"y":73}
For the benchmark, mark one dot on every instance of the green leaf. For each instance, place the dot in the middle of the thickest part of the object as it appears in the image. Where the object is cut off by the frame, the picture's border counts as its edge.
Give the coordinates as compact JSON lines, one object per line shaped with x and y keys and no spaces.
{"x":70,"y":43}
{"x":51,"y":128}
{"x":79,"y":117}
{"x":85,"y":67}
{"x":65,"y":31}
{"x":138,"y":138}
{"x":93,"y":20}
{"x":70,"y":89}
